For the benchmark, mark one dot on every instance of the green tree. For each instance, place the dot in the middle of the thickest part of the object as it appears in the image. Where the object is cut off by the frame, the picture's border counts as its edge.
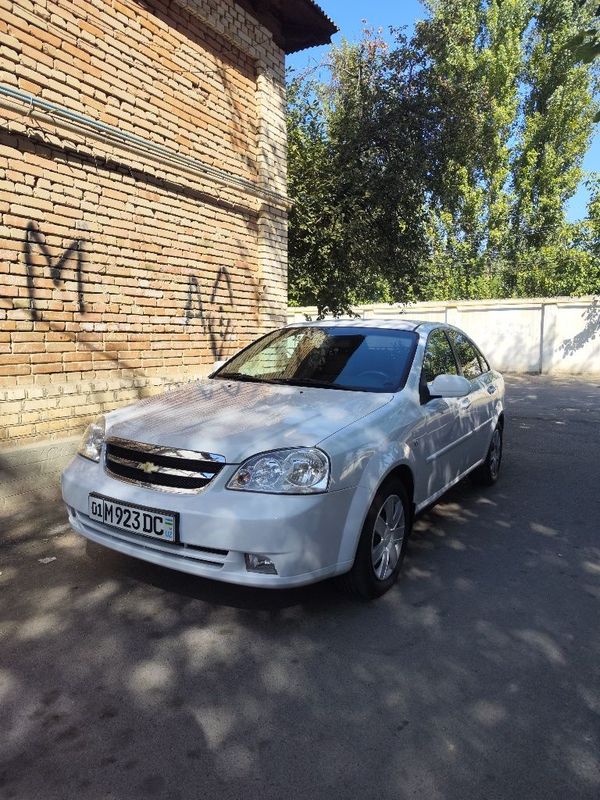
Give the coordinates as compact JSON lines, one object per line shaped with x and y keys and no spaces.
{"x":447,"y":45}
{"x":592,"y":225}
{"x":356,"y":178}
{"x":313,"y":232}
{"x":441,"y":166}
{"x":586,"y":238}
{"x":556,"y":132}
{"x":473,"y":53}
{"x":585,"y":44}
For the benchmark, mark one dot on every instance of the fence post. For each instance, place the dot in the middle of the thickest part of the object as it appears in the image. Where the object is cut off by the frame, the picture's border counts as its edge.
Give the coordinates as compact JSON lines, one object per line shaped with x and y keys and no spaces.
{"x":453,"y":316}
{"x":548,"y":337}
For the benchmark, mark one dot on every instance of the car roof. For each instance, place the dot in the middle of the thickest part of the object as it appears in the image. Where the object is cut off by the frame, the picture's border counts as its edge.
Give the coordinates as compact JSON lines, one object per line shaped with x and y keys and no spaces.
{"x":393,"y":323}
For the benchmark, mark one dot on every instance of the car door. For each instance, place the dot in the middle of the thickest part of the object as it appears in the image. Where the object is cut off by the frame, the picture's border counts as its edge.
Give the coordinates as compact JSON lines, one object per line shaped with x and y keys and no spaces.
{"x":480,"y":401}
{"x":436,"y":439}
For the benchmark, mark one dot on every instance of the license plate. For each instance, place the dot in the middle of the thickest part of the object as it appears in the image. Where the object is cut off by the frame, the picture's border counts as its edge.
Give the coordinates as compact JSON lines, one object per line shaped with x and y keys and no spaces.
{"x":152,"y":522}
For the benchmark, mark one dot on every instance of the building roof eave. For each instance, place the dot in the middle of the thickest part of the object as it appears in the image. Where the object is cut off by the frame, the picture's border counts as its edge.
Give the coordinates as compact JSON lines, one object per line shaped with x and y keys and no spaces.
{"x":295,"y":24}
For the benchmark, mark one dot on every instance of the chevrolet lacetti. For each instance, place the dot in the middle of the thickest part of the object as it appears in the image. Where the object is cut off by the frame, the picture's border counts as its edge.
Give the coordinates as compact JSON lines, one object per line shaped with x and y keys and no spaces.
{"x":305,"y":456}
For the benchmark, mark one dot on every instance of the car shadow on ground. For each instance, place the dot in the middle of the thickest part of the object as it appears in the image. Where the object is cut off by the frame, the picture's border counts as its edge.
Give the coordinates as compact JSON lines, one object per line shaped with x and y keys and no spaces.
{"x":475,"y":677}
{"x":323,"y":594}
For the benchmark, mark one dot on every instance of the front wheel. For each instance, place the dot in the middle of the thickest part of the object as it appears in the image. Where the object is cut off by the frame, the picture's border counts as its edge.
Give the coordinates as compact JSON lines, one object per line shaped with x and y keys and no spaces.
{"x":487,"y":474}
{"x":382,"y":543}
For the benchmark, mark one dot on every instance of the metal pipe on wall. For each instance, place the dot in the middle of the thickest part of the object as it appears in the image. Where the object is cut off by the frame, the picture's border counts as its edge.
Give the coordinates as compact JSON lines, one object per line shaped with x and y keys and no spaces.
{"x":36,"y":106}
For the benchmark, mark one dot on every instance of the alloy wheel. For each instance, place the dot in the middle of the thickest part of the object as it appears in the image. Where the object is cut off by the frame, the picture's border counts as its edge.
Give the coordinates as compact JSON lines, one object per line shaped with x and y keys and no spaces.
{"x":388,"y":536}
{"x":495,"y":453}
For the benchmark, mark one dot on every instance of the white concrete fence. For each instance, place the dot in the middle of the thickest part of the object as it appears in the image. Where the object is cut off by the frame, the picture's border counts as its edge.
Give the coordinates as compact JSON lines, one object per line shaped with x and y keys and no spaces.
{"x":559,"y":335}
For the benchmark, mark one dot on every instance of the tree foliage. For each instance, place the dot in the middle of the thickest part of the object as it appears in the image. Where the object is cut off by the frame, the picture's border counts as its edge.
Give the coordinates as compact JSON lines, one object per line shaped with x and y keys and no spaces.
{"x":585,"y":44}
{"x":441,"y":166}
{"x":472,"y":54}
{"x":355,"y":176}
{"x":556,"y":131}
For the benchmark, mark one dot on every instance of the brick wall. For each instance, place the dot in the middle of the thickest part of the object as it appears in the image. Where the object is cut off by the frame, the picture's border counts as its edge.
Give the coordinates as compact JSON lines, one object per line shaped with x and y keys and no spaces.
{"x":122,"y":269}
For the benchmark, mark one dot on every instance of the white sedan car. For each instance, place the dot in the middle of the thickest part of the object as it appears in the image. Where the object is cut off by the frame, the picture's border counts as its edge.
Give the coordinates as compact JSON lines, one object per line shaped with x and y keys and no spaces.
{"x":305,"y":456}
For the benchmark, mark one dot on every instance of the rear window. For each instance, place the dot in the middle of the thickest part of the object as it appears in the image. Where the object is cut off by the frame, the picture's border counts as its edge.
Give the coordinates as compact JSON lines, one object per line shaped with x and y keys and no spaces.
{"x":439,"y":357}
{"x":468,"y":356}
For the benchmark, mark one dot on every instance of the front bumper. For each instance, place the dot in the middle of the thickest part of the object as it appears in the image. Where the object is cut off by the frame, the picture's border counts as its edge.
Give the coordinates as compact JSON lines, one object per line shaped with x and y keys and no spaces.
{"x":301,"y":534}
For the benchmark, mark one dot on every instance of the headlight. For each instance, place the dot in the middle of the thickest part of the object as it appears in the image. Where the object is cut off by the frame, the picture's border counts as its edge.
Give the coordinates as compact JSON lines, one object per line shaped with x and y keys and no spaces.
{"x":302,"y":470}
{"x":93,"y":439}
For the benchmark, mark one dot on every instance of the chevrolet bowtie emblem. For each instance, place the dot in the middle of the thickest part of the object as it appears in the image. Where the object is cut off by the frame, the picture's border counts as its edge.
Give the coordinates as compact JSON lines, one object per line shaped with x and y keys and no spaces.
{"x":148,"y":467}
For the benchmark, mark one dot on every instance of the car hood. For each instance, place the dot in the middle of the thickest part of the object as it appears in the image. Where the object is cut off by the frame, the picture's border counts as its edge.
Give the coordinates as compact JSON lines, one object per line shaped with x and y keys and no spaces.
{"x":237,"y":419}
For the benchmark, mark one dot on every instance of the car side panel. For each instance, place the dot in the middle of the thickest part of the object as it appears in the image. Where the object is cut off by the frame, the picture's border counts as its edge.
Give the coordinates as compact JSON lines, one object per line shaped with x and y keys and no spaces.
{"x":404,"y":434}
{"x":380,"y":465}
{"x":439,"y":445}
{"x":485,"y":392}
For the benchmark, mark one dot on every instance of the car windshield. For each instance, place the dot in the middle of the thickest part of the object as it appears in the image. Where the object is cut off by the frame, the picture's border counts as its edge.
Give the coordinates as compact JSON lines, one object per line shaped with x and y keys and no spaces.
{"x":351,"y":358}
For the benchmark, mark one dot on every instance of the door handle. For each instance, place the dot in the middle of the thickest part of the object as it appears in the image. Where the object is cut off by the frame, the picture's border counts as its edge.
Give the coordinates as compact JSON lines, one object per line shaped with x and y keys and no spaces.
{"x":465,"y":402}
{"x":491,"y":389}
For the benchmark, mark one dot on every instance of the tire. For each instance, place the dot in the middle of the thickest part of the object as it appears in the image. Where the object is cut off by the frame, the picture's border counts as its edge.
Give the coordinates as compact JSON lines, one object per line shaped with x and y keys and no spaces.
{"x":487,"y":474}
{"x":372,"y":574}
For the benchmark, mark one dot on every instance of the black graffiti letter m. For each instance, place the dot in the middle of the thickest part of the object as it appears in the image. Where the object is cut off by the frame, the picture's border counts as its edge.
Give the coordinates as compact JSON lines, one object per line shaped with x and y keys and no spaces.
{"x":34,"y":237}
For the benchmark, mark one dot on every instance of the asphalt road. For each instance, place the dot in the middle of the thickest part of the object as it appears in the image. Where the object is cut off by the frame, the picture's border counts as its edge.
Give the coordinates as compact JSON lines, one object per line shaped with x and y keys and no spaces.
{"x":477,"y":676}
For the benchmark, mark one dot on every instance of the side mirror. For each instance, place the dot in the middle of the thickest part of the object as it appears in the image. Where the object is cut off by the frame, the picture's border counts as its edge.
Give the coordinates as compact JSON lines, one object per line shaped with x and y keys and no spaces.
{"x":449,"y":386}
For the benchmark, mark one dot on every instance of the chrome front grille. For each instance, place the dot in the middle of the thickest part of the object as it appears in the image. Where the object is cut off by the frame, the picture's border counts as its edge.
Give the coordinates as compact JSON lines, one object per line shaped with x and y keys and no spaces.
{"x":164,"y":468}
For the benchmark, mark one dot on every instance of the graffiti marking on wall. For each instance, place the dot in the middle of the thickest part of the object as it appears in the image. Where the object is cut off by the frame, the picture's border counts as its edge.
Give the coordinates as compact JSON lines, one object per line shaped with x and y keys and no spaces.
{"x":212,"y":309}
{"x":214,"y":320}
{"x":32,"y":238}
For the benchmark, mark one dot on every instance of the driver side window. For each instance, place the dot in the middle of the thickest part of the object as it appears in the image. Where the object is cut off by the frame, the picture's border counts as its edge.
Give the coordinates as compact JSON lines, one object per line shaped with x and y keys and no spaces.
{"x":439,"y":358}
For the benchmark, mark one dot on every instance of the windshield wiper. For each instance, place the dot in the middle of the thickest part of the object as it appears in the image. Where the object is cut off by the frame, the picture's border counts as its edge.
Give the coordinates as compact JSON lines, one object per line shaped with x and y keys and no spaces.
{"x":241,"y":376}
{"x":310,"y":383}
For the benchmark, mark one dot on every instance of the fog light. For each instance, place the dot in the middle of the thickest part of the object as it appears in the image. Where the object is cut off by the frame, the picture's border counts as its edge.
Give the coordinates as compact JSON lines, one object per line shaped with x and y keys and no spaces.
{"x":256,"y":562}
